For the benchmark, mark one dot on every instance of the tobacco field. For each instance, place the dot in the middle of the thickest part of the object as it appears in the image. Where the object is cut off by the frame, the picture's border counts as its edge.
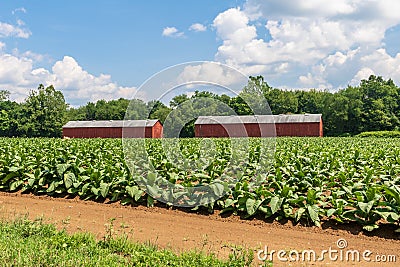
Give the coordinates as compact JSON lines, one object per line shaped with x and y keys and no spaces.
{"x":350,"y":180}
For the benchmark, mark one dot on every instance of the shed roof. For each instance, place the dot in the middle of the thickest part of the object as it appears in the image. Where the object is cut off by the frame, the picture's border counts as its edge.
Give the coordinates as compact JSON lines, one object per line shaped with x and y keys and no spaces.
{"x":293,"y":118}
{"x":110,"y":124}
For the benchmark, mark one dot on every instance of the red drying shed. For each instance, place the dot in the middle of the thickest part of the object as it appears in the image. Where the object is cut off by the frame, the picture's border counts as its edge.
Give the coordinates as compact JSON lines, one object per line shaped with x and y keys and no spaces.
{"x":259,"y":125}
{"x":113,"y":129}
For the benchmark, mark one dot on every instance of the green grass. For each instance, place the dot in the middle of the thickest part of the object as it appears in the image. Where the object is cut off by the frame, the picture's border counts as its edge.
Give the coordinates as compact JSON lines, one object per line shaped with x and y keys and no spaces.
{"x":33,"y":243}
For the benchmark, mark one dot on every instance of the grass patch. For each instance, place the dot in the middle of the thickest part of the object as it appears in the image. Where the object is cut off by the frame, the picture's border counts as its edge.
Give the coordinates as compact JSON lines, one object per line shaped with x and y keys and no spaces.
{"x":34,"y":243}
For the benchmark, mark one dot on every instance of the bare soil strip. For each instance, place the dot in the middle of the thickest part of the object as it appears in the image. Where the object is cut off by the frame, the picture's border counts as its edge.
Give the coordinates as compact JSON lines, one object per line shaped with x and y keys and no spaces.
{"x":180,"y":230}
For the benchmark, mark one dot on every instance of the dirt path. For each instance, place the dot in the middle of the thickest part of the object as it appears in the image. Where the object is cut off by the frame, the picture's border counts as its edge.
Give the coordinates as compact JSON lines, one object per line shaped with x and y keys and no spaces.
{"x":180,"y":230}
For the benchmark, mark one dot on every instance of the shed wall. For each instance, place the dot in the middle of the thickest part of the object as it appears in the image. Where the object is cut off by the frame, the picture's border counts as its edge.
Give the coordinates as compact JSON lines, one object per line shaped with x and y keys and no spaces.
{"x":157,"y":130}
{"x":92,"y":132}
{"x":321,"y":128}
{"x":107,"y":132}
{"x":234,"y":130}
{"x":258,"y":130}
{"x":298,"y":129}
{"x":136,"y":132}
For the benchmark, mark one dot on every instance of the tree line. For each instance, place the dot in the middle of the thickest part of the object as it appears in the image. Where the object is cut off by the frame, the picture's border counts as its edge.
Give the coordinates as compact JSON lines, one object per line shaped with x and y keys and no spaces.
{"x":373,"y":105}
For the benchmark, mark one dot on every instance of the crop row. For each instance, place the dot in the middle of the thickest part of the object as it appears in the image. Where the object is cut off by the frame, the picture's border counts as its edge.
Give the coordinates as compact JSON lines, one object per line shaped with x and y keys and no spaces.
{"x":311,"y":179}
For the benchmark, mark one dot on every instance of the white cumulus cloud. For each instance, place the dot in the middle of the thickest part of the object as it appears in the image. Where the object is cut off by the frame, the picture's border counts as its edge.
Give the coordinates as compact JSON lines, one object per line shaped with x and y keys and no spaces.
{"x":79,"y":84}
{"x":172,"y":32}
{"x":362,"y":74}
{"x":198,"y":27}
{"x":313,"y":43}
{"x":210,"y":72}
{"x":9,"y":30}
{"x":18,"y":75}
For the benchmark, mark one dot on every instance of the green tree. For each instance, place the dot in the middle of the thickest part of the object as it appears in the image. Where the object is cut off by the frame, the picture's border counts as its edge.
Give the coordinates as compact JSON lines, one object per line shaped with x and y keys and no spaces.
{"x":76,"y":114}
{"x":224,"y":99}
{"x":252,"y":99}
{"x":4,"y":117}
{"x":118,"y":108}
{"x":4,"y":123}
{"x":257,"y":84}
{"x":90,"y":111}
{"x":102,"y":111}
{"x":158,"y":110}
{"x":137,"y":110}
{"x":355,"y":106}
{"x":310,"y":101}
{"x":381,"y":104}
{"x":180,"y":120}
{"x":9,"y":114}
{"x":43,"y":113}
{"x":160,"y":114}
{"x":177,"y":100}
{"x":240,"y":107}
{"x":282,"y":102}
{"x":335,"y":114}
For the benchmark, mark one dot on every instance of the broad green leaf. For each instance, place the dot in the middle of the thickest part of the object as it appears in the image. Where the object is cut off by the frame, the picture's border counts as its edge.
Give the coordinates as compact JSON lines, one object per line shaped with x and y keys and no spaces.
{"x":52,"y":187}
{"x":349,"y":215}
{"x":132,"y":190}
{"x":276,"y":203}
{"x":388,"y":216}
{"x":14,"y":169}
{"x":330,"y":212}
{"x":311,"y":196}
{"x":151,"y":178}
{"x":30,"y":175}
{"x":286,"y":191}
{"x":69,"y":179}
{"x":252,"y":206}
{"x":370,"y":193}
{"x":104,"y":187}
{"x":217,"y":188}
{"x":61,"y":168}
{"x":95,"y":191}
{"x":229,"y":202}
{"x":85,"y":188}
{"x":365,"y":207}
{"x":9,"y":176}
{"x":31,"y":182}
{"x":153,"y":191}
{"x":393,"y":193}
{"x":299,"y":213}
{"x":15,"y":185}
{"x":266,"y":210}
{"x":313,"y":212}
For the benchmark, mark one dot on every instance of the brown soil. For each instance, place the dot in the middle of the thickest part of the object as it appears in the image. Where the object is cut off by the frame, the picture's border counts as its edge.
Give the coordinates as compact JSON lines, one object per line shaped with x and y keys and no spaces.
{"x":181,"y":230}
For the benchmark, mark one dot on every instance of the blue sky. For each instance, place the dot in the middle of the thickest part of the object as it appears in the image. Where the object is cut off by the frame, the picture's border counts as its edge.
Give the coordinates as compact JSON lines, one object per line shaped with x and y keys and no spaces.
{"x":94,"y":50}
